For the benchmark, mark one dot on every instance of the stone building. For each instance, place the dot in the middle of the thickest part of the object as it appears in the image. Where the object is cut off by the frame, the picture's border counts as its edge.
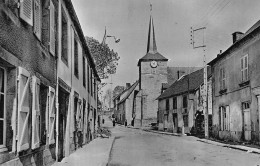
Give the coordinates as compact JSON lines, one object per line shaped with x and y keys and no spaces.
{"x":181,"y":102}
{"x":125,"y":104}
{"x":46,"y":71}
{"x":236,"y":81}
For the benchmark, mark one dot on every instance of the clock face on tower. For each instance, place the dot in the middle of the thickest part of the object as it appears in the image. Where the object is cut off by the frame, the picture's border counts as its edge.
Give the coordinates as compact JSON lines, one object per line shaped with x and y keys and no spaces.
{"x":153,"y":64}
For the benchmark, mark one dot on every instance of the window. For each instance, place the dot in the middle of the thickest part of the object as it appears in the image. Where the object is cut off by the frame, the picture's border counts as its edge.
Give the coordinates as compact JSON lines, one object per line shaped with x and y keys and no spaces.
{"x":2,"y":108}
{"x":174,"y":103}
{"x":94,"y":89}
{"x":244,"y":68}
{"x":64,"y":38}
{"x":37,"y":18}
{"x":84,"y":71}
{"x":222,"y":79}
{"x":88,"y":78}
{"x":185,"y":102}
{"x":167,"y":104}
{"x":224,"y":115}
{"x":52,"y":28}
{"x":245,"y":105}
{"x":76,"y":59}
{"x":91,"y":82}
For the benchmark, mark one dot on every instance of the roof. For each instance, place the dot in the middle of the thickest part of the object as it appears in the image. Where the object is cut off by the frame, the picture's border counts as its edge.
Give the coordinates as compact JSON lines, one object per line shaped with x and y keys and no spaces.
{"x":187,"y":83}
{"x":151,"y":52}
{"x":246,"y":35}
{"x":172,"y":75}
{"x":129,"y":91}
{"x":77,"y":25}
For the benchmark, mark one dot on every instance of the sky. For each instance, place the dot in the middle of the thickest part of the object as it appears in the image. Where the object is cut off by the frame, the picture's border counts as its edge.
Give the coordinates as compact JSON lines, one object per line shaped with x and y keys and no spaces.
{"x":173,"y":19}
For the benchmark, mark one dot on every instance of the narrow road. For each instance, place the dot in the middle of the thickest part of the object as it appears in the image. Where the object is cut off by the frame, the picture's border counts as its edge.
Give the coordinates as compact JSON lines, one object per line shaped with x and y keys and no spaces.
{"x":134,"y":147}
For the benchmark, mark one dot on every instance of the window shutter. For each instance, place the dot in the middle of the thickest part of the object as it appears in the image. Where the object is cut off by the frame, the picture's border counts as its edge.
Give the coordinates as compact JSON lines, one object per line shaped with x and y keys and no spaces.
{"x":228,"y":118}
{"x":79,"y":116}
{"x":52,"y":28}
{"x":26,"y":11}
{"x":35,"y":113}
{"x":37,"y":18}
{"x":51,"y":115}
{"x":23,"y":109}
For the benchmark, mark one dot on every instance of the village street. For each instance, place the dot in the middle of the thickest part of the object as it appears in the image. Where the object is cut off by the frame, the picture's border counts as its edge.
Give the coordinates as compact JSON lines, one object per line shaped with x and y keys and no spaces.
{"x":133,"y":147}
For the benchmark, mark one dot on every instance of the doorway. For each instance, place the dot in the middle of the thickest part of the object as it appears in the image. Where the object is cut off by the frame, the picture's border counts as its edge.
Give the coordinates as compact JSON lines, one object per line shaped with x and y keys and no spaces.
{"x":247,"y":120}
{"x":63,"y":100}
{"x":175,"y":122}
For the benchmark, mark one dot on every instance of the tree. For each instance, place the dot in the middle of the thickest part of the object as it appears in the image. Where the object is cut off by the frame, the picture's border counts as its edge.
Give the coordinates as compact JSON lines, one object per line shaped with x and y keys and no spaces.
{"x":106,"y":60}
{"x":117,"y":90}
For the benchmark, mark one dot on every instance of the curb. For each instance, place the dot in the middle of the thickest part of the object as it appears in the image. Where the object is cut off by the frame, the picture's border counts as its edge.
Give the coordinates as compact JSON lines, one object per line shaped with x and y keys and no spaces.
{"x":109,"y":153}
{"x":236,"y":147}
{"x":158,"y":132}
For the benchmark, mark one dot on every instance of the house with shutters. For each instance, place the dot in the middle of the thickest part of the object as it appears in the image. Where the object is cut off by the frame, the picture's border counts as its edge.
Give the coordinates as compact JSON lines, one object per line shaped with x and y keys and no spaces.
{"x":235,"y":80}
{"x":180,"y":106}
{"x":48,"y":82}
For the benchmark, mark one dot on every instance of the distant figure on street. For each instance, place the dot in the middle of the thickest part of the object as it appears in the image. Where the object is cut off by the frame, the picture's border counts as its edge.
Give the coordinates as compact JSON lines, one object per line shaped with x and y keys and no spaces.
{"x":125,"y":123}
{"x":103,"y":121}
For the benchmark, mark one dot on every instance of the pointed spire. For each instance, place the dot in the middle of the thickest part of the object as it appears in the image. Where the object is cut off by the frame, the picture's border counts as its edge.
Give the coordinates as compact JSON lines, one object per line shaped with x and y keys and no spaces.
{"x":151,"y":44}
{"x":105,"y":37}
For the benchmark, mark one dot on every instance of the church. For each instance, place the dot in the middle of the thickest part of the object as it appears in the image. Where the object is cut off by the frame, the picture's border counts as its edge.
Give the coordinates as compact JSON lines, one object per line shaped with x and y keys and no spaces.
{"x":137,"y":104}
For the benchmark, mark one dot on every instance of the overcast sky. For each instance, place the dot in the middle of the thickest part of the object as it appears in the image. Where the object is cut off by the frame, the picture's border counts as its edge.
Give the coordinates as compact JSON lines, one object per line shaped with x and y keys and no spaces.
{"x":129,"y":19}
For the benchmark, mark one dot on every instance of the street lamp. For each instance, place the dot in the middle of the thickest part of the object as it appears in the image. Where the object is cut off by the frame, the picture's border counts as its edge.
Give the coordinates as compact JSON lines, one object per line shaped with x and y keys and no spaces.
{"x":116,"y":39}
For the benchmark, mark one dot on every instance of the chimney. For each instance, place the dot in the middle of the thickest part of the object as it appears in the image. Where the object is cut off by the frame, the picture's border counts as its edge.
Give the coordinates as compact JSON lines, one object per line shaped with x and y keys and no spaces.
{"x":127,"y":85}
{"x":220,"y":52}
{"x":236,"y":36}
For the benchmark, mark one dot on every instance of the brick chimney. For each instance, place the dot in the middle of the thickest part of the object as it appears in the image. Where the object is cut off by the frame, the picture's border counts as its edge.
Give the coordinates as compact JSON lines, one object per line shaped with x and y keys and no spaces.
{"x":127,"y":85}
{"x":237,"y":36}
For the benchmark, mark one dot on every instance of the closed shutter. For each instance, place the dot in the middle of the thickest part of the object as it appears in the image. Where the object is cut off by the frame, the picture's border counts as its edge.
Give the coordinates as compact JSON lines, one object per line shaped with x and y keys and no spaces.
{"x":23,"y":109}
{"x":26,"y":11}
{"x":52,"y":28}
{"x":35,"y":112}
{"x":51,"y":115}
{"x":37,"y":18}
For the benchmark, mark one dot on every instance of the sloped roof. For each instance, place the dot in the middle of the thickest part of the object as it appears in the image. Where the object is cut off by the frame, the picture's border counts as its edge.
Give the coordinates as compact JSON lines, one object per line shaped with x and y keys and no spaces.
{"x":172,"y":75}
{"x":152,"y":56}
{"x":187,"y":83}
{"x":129,"y":91}
{"x":234,"y":45}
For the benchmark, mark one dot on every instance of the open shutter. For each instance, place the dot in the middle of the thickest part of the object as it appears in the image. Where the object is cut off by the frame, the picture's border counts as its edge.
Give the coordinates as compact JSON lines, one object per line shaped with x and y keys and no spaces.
{"x":35,"y":112}
{"x":26,"y":11}
{"x":52,"y":29}
{"x":228,"y":117}
{"x":51,"y":115}
{"x":37,"y":18}
{"x":23,"y":109}
{"x":80,"y":116}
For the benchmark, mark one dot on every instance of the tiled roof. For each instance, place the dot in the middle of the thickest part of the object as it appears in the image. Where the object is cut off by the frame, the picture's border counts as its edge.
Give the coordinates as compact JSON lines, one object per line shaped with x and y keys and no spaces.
{"x":187,"y":83}
{"x":129,"y":91}
{"x":152,"y":56}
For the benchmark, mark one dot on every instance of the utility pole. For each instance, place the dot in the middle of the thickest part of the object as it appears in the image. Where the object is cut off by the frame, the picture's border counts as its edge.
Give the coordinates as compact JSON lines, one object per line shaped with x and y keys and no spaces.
{"x":205,"y":87}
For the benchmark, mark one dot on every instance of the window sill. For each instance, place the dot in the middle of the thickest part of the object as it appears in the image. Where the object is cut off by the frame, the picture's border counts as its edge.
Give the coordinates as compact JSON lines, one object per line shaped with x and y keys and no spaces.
{"x":3,"y":149}
{"x":245,"y":83}
{"x":222,"y":91}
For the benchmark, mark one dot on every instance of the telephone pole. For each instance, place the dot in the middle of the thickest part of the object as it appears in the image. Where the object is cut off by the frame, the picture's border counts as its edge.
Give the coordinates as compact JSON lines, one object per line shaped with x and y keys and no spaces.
{"x":205,"y":87}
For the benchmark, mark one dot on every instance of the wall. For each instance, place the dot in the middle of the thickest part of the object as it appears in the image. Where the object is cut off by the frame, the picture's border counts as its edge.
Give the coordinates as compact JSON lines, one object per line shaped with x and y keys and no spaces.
{"x":151,"y":81}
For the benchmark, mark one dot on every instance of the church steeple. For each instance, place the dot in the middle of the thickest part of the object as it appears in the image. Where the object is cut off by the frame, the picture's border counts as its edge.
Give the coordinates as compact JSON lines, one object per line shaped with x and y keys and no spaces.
{"x":151,"y":44}
{"x":151,"y":53}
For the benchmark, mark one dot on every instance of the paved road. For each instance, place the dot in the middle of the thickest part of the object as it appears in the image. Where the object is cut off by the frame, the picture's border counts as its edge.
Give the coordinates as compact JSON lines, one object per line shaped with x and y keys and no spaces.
{"x":139,"y":148}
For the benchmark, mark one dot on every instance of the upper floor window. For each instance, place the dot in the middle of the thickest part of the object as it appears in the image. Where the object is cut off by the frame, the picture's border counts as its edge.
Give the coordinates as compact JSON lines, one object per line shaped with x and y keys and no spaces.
{"x":84,"y":71}
{"x":167,"y":104}
{"x":64,"y":38}
{"x":76,"y":59}
{"x":88,"y":77}
{"x":222,"y":78}
{"x":174,"y":103}
{"x":91,"y":82}
{"x":244,"y":68}
{"x":185,"y":102}
{"x":2,"y":108}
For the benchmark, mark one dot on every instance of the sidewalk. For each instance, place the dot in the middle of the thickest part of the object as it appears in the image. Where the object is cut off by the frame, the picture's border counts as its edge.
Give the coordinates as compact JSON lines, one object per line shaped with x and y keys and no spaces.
{"x":238,"y":147}
{"x":96,"y":153}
